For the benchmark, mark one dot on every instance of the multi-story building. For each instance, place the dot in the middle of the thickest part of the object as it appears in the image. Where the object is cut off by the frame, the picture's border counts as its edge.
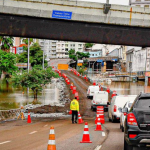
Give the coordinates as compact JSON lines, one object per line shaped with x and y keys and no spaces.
{"x":59,"y":49}
{"x":49,"y":47}
{"x":140,"y":3}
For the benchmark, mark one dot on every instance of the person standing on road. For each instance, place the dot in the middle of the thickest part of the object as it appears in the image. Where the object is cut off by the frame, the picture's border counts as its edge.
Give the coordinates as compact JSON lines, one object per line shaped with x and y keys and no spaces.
{"x":74,"y":106}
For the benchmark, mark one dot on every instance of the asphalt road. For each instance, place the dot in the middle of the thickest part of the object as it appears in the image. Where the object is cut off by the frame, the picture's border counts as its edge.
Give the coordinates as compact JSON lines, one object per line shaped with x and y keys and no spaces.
{"x":18,"y":135}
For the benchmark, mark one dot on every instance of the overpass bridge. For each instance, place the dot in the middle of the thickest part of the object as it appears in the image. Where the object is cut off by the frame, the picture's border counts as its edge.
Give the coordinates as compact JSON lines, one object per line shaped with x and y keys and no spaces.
{"x":75,"y":21}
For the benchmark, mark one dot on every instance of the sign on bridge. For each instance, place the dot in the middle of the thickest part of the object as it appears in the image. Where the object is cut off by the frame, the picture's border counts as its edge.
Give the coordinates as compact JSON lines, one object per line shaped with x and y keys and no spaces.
{"x":61,"y":14}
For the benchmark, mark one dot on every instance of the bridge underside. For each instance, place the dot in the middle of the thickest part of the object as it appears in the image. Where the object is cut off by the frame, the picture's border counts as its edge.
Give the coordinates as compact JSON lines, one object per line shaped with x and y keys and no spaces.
{"x":54,"y":29}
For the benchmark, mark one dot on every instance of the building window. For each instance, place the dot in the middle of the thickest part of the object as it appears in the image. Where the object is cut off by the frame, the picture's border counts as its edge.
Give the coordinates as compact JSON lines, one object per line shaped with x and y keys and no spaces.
{"x":138,"y":5}
{"x":92,"y":54}
{"x":66,"y":49}
{"x":147,"y":6}
{"x":138,"y":0}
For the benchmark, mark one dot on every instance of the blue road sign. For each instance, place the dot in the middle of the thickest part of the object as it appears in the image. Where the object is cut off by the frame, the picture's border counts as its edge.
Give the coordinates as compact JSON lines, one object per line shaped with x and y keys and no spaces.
{"x":61,"y":14}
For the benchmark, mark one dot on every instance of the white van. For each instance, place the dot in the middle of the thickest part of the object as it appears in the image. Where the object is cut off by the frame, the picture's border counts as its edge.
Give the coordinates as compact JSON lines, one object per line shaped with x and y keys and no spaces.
{"x":117,"y":103}
{"x":100,"y":98}
{"x":91,"y":90}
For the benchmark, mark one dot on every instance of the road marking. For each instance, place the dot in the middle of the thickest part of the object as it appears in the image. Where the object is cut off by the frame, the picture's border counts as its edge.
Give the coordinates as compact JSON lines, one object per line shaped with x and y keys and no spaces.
{"x":98,"y":147}
{"x":103,"y":133}
{"x":5,"y":142}
{"x":33,"y":132}
{"x":45,"y":125}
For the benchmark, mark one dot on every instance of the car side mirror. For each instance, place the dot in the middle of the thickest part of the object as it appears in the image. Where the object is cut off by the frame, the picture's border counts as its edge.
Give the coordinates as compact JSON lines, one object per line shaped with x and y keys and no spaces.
{"x":125,"y":110}
{"x":120,"y":109}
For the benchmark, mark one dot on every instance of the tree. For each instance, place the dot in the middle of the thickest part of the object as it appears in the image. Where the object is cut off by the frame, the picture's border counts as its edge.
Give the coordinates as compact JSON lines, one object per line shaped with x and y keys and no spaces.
{"x":88,"y":45}
{"x":36,"y":56}
{"x":7,"y":65}
{"x":25,"y":40}
{"x":6,"y":42}
{"x":81,"y":70}
{"x":7,"y":62}
{"x":77,"y":55}
{"x":36,"y":79}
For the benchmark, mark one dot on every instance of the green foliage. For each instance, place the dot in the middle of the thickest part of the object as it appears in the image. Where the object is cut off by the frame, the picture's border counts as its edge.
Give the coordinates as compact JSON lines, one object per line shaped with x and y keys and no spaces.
{"x":36,"y":56}
{"x":78,"y":55}
{"x":6,"y":42}
{"x":88,"y":45}
{"x":81,"y":70}
{"x":7,"y":62}
{"x":25,"y":40}
{"x":36,"y":79}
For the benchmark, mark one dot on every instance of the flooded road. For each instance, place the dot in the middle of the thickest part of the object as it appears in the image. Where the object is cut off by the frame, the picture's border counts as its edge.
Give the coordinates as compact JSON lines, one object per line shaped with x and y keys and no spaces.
{"x":128,"y":88}
{"x":12,"y":98}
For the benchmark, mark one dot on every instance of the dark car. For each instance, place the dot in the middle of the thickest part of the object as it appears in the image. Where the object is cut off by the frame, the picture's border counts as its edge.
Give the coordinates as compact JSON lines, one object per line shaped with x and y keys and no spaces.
{"x":137,"y":123}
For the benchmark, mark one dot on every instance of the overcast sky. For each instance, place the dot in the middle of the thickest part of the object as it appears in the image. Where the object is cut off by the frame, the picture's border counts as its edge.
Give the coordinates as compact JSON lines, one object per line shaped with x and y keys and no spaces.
{"x":120,"y":2}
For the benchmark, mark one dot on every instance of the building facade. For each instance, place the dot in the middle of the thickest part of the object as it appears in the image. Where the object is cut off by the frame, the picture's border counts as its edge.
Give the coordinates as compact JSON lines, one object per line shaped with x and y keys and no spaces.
{"x":59,"y":49}
{"x":140,"y":3}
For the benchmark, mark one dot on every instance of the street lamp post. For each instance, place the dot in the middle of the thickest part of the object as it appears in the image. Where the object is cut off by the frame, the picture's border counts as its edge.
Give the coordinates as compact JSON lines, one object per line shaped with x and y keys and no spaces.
{"x":28,"y":55}
{"x":43,"y":54}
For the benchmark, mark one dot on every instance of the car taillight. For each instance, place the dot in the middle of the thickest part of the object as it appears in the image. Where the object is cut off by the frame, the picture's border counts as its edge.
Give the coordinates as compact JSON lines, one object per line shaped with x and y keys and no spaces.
{"x":115,"y":108}
{"x":132,"y":136}
{"x":131,"y":120}
{"x":125,"y":114}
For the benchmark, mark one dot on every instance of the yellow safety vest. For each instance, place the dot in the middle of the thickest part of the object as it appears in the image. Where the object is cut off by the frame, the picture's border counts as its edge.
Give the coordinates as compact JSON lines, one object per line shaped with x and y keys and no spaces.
{"x":74,"y":105}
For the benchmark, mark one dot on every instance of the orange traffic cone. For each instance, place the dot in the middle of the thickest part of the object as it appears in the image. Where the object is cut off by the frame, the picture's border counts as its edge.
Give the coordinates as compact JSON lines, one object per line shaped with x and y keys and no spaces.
{"x":29,"y":118}
{"x":80,"y":119}
{"x":98,"y":126}
{"x":86,"y":136}
{"x":51,"y":141}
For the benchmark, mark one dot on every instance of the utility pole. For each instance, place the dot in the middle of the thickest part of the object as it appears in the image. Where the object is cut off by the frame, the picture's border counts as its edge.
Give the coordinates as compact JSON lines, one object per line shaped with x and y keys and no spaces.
{"x":28,"y":55}
{"x":43,"y":54}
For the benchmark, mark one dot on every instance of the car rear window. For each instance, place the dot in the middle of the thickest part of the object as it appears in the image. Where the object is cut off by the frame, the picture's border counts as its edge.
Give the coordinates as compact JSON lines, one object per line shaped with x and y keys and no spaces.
{"x":143,"y":103}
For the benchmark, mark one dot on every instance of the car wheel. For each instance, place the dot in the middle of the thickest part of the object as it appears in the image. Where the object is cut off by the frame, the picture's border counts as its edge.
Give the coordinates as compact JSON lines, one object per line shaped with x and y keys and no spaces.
{"x":126,"y":146}
{"x":112,"y":120}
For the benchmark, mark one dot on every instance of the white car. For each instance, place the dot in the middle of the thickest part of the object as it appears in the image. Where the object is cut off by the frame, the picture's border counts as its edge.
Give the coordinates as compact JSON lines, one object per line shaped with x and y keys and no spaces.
{"x":91,"y":90}
{"x":100,"y":98}
{"x":116,"y":104}
{"x":123,"y":115}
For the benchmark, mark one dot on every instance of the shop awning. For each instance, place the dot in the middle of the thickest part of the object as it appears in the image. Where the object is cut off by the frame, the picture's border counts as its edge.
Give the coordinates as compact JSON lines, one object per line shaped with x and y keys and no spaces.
{"x":114,"y":59}
{"x":100,"y":60}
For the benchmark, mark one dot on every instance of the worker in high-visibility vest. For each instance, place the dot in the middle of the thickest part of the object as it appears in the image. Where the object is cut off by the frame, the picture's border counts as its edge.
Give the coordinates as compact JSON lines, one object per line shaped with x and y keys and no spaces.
{"x":74,"y":106}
